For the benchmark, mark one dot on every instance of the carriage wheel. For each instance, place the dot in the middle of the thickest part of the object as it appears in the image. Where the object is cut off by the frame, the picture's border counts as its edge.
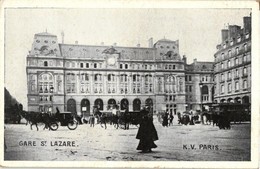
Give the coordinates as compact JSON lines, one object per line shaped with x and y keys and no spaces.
{"x":53,"y":126}
{"x":72,"y":125}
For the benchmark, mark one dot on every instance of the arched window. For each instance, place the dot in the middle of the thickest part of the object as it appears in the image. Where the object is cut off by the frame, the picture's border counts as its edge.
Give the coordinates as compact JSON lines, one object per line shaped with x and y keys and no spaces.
{"x":45,"y":83}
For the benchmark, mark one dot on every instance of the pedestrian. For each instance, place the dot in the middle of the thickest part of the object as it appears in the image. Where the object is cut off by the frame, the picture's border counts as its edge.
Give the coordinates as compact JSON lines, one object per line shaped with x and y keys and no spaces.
{"x":147,"y":133}
{"x":165,"y":119}
{"x":171,"y":118}
{"x":92,"y":120}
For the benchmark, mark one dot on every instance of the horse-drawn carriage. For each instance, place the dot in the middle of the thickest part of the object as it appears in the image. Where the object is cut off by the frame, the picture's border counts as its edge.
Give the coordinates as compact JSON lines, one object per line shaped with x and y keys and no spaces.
{"x":51,"y":121}
{"x":224,"y":113}
{"x":64,"y":119}
{"x":120,"y":119}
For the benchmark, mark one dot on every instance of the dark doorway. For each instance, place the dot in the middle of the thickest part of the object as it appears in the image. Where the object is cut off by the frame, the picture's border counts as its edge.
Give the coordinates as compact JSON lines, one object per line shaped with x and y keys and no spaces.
{"x":71,"y":106}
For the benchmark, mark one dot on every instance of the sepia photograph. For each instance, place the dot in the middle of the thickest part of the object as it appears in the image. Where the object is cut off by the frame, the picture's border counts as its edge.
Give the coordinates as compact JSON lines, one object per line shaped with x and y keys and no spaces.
{"x":128,"y":84}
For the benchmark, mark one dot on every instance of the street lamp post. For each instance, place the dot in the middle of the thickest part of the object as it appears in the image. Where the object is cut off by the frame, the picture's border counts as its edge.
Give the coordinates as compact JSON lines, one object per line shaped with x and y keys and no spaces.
{"x":52,"y":90}
{"x":200,"y":85}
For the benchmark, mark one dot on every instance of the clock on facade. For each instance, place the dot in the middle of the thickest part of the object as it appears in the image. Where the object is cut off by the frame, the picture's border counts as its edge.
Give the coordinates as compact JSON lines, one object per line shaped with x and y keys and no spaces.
{"x":111,"y":60}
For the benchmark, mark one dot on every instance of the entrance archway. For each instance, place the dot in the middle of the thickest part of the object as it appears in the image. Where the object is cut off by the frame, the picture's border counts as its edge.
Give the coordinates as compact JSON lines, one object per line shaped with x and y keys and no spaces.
{"x":99,"y":104}
{"x":230,"y":100}
{"x":71,"y":106}
{"x":124,"y":104}
{"x":245,"y":100}
{"x":223,"y":101}
{"x":136,"y":105}
{"x":237,"y":100}
{"x":111,"y":104}
{"x":149,"y":103}
{"x":85,"y":107}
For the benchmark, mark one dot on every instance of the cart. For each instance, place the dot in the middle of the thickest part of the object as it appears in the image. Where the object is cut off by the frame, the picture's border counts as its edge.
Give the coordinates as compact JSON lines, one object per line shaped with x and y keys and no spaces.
{"x":64,"y":119}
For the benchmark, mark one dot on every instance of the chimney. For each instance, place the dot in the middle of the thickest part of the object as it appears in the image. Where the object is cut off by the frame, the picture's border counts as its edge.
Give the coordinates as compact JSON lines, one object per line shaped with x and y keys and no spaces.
{"x":233,"y":30}
{"x":102,"y":43}
{"x":195,"y":61}
{"x":184,"y":59}
{"x":224,"y":33}
{"x":138,"y":45}
{"x":62,"y":37}
{"x":150,"y":43}
{"x":114,"y":44}
{"x":76,"y":42}
{"x":247,"y":24}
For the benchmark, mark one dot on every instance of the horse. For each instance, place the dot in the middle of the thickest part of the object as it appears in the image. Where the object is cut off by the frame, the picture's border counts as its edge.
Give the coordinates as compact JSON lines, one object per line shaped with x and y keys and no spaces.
{"x":33,"y":118}
{"x":101,"y":117}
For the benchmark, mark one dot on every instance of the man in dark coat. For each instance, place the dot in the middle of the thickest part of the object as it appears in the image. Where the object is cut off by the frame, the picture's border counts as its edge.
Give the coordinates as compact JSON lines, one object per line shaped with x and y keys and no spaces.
{"x":165,"y":119}
{"x":147,"y":133}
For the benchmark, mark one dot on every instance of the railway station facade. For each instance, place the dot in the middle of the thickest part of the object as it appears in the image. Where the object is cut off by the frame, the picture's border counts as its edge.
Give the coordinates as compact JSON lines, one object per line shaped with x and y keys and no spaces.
{"x":75,"y":78}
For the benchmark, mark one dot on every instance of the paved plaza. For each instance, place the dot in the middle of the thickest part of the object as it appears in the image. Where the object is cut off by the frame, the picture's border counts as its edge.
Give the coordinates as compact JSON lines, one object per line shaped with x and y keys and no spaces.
{"x":176,"y":143}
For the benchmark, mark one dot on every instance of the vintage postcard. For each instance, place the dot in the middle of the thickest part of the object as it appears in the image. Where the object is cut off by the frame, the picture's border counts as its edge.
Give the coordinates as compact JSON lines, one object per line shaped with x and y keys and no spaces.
{"x":130,"y":84}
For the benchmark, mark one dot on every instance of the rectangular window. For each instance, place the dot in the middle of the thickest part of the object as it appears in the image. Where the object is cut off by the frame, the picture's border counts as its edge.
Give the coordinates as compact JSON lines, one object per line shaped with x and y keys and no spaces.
{"x":229,"y":53}
{"x":87,"y":65}
{"x":244,"y":58}
{"x":170,"y":98}
{"x":95,"y":65}
{"x":236,"y":61}
{"x":81,"y":65}
{"x":190,"y":88}
{"x":247,"y":35}
{"x":59,"y":86}
{"x":229,"y":64}
{"x":222,"y":56}
{"x":237,"y":86}
{"x":245,"y":84}
{"x":222,"y":89}
{"x":237,"y":50}
{"x":238,"y":39}
{"x":190,"y":79}
{"x":229,"y":87}
{"x":245,"y":47}
{"x":173,"y":66}
{"x":229,"y":75}
{"x":237,"y":73}
{"x":186,"y":78}
{"x":245,"y":71}
{"x":222,"y":77}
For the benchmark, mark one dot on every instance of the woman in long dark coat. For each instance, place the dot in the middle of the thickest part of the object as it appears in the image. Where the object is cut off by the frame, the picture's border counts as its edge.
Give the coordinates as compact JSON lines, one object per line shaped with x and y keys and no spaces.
{"x":147,"y":133}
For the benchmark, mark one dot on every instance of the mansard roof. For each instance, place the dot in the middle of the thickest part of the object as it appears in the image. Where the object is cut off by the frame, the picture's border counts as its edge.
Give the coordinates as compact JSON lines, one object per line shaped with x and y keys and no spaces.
{"x":200,"y":66}
{"x":98,"y":52}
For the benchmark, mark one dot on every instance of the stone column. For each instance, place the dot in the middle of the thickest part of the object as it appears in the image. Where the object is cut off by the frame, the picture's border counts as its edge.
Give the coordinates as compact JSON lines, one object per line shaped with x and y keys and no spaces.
{"x":104,"y":83}
{"x":130,"y":83}
{"x":118,"y":83}
{"x":91,"y":82}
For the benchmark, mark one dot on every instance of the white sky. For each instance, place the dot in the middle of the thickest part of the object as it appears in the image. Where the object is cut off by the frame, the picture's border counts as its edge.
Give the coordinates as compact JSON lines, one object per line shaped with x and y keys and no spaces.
{"x":198,"y":32}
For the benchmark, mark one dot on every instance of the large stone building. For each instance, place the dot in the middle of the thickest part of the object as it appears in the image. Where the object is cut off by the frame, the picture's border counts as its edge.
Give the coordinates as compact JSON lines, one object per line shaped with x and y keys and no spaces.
{"x":233,"y":64}
{"x":75,"y":77}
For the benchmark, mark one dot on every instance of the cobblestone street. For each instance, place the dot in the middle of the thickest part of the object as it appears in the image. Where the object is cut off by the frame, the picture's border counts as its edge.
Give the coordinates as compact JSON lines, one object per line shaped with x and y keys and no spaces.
{"x":176,"y":143}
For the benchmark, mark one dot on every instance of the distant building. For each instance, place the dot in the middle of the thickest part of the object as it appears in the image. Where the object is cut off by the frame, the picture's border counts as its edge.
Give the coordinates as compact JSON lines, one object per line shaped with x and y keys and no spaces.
{"x":233,"y":64}
{"x":199,"y":81}
{"x":74,"y":77}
